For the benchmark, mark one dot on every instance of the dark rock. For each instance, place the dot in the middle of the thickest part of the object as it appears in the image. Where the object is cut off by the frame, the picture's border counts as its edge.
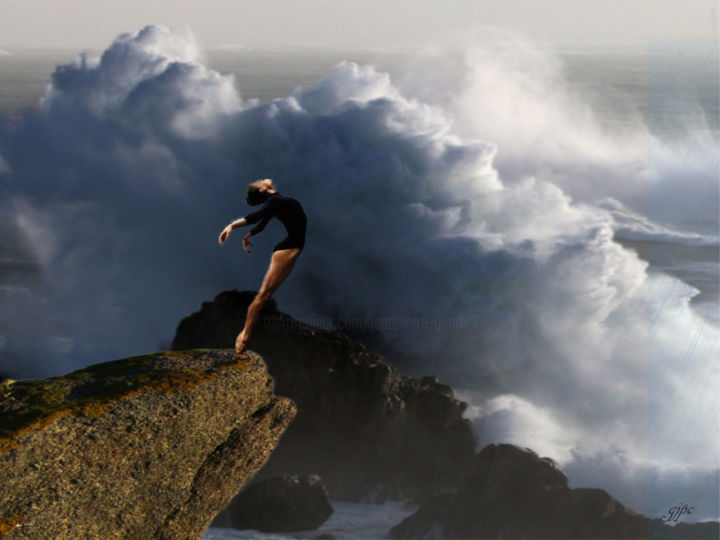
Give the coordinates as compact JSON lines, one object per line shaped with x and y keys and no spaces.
{"x":146,"y":447}
{"x":709,"y":530}
{"x":510,"y":492}
{"x":370,"y":433}
{"x":281,"y":504}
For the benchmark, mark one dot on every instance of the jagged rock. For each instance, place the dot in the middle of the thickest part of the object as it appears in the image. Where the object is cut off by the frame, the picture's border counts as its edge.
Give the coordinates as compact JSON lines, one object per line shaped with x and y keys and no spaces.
{"x":284,"y":503}
{"x":510,"y":492}
{"x":709,"y":530}
{"x":146,"y":447}
{"x":370,"y":433}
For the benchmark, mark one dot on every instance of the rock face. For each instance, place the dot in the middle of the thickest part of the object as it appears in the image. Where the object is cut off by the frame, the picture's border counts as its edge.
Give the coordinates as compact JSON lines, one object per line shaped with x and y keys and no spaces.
{"x":510,"y":492}
{"x":146,"y":447}
{"x":286,"y":503}
{"x":367,"y":431}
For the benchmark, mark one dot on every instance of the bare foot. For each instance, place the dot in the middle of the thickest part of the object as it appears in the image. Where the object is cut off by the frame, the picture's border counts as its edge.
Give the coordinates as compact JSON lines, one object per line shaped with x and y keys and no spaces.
{"x":241,"y":343}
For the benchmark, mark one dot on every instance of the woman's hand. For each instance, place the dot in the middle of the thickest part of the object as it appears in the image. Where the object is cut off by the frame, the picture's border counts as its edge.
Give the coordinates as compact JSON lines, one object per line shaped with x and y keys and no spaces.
{"x":224,"y":235}
{"x":246,"y":242}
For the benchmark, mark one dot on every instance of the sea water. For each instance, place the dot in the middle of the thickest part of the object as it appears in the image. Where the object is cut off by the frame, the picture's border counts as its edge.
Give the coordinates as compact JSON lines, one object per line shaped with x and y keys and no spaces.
{"x":354,"y":521}
{"x":620,"y":89}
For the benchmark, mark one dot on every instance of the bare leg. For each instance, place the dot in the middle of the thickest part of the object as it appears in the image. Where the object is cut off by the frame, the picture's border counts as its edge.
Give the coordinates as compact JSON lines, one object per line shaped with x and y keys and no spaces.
{"x":281,"y":263}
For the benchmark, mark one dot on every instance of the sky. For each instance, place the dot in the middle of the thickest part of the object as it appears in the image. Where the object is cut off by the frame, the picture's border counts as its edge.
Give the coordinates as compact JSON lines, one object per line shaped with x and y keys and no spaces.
{"x":358,"y":24}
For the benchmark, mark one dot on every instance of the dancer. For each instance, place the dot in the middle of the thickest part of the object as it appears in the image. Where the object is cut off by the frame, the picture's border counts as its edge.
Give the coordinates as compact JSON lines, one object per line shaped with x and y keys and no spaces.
{"x":290,"y":213}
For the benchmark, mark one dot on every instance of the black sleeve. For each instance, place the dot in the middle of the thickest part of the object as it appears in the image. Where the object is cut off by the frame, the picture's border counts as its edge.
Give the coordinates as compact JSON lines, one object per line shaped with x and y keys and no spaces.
{"x":261,"y":217}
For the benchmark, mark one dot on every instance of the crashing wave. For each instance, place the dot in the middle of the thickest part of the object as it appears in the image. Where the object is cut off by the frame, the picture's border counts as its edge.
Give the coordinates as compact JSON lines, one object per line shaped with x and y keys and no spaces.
{"x":136,"y":160}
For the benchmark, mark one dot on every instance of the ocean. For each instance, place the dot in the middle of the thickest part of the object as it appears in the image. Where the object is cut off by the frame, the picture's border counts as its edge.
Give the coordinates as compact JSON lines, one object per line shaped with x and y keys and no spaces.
{"x":561,"y":204}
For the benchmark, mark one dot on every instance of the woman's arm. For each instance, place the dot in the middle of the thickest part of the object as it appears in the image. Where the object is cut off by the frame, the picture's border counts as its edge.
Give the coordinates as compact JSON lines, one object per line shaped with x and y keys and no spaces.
{"x":238,"y":223}
{"x":261,"y":217}
{"x":230,"y":228}
{"x":241,"y":223}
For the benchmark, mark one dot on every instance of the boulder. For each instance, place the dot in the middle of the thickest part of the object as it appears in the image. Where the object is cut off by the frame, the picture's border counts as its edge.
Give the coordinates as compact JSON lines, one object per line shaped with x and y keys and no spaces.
{"x":152,"y":446}
{"x":510,"y":492}
{"x":370,"y":433}
{"x":286,"y":503}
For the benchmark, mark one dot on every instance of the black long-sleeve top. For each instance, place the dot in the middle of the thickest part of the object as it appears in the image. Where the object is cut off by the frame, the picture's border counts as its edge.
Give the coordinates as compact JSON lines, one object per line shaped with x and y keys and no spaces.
{"x":289,"y":212}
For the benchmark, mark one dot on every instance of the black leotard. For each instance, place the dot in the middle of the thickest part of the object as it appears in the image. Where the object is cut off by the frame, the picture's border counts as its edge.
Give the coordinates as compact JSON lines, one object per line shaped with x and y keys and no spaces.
{"x":289,"y":212}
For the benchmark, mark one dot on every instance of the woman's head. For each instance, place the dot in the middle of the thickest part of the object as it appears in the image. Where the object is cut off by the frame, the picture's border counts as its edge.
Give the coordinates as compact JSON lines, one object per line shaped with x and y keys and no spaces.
{"x":259,"y":190}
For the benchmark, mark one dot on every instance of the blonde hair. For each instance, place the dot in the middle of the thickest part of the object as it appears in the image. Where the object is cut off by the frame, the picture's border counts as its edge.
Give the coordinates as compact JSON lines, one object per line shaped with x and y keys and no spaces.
{"x":254,"y":196}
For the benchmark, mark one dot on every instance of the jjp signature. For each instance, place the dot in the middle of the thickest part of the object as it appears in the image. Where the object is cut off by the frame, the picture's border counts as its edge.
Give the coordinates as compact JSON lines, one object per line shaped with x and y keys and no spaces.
{"x":676,"y":512}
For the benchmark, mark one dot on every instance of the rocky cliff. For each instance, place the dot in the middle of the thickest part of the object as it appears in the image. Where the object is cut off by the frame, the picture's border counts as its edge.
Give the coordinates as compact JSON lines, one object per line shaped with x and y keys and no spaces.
{"x":146,"y":447}
{"x":367,"y":431}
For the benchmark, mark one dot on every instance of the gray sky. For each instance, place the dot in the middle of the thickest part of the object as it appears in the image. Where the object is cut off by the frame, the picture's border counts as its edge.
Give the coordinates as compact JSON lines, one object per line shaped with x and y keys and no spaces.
{"x":357,"y":23}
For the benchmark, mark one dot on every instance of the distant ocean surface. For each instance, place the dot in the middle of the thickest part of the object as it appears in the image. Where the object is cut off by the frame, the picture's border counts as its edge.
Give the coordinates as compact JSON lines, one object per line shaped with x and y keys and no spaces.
{"x":563,"y":117}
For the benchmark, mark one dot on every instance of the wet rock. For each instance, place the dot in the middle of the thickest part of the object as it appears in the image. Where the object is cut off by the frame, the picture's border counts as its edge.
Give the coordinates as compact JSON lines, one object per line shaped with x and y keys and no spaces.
{"x":286,"y":503}
{"x":511,"y":492}
{"x":370,"y":433}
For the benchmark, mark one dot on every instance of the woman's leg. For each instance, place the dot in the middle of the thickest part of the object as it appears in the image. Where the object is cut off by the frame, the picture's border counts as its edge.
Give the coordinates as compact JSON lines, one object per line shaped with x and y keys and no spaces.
{"x":281,"y":263}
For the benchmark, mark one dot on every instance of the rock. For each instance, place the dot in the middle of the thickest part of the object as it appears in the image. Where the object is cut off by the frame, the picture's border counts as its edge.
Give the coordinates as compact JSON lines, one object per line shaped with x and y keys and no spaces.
{"x":709,"y":530}
{"x":510,"y":492}
{"x":370,"y":433}
{"x":286,"y":503}
{"x":145,"y":447}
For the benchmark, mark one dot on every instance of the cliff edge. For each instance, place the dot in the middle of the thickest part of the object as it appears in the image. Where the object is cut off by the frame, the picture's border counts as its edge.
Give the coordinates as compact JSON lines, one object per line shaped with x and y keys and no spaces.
{"x":151,"y":446}
{"x":369,"y":432}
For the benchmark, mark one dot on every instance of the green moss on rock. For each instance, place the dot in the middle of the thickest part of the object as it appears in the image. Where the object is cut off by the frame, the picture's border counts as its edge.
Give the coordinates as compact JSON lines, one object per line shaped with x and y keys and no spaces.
{"x":32,"y":404}
{"x":151,"y":446}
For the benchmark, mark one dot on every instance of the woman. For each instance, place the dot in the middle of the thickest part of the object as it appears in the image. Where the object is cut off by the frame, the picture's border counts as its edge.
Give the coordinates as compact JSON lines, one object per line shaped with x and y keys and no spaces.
{"x":290,"y":213}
